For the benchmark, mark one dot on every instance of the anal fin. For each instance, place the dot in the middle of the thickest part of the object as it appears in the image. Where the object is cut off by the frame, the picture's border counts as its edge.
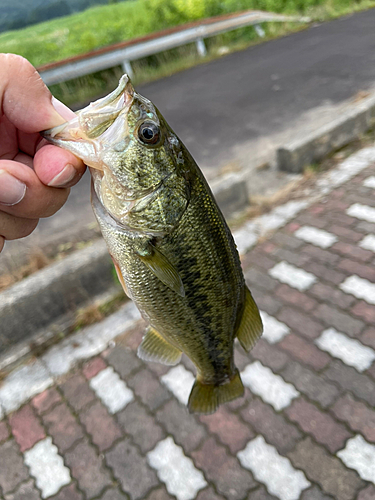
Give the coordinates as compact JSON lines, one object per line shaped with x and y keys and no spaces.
{"x":155,"y":348}
{"x":205,"y":398}
{"x":251,"y":327}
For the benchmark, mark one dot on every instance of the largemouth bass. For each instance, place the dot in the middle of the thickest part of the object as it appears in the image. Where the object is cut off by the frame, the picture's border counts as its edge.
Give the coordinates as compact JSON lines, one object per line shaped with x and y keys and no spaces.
{"x":172,"y":249}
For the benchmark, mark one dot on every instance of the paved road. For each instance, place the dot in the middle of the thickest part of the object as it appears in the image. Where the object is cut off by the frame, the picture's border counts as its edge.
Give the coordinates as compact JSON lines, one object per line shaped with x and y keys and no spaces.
{"x":115,"y":428}
{"x":239,"y":108}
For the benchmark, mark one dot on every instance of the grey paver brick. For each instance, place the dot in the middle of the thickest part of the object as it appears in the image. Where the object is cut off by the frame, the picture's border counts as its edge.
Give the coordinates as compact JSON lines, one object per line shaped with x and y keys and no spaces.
{"x":124,"y":360}
{"x":148,"y":388}
{"x":368,"y":337}
{"x":208,"y":494}
{"x":295,"y":298}
{"x":12,"y":470}
{"x":229,"y":429}
{"x":160,"y":494}
{"x":349,"y":379}
{"x":184,"y":427}
{"x":96,"y":419}
{"x":320,"y":255}
{"x":364,"y":311}
{"x":352,"y":251}
{"x":345,"y":233}
{"x":87,"y":467}
{"x":328,"y":471}
{"x":260,"y":279}
{"x":325,"y":272}
{"x":286,"y":240}
{"x":77,"y":391}
{"x":62,"y":426}
{"x":271,"y":425}
{"x":343,"y":322}
{"x":114,"y":494}
{"x":300,"y":322}
{"x":319,"y":424}
{"x":230,"y":479}
{"x":363,"y":271}
{"x":141,"y":426}
{"x":298,"y":259}
{"x":311,"y":384}
{"x":69,"y":492}
{"x":25,"y":491}
{"x":304,"y":351}
{"x":332,"y":295}
{"x":357,"y":415}
{"x":260,"y":494}
{"x":131,"y":469}
{"x":266,"y":302}
{"x":269,"y":355}
{"x":314,"y":493}
{"x":367,"y":493}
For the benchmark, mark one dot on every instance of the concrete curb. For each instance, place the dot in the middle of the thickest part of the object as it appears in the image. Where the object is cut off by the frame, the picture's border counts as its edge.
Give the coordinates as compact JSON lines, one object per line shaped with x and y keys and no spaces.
{"x":53,"y":293}
{"x":47,"y":300}
{"x":314,"y":147}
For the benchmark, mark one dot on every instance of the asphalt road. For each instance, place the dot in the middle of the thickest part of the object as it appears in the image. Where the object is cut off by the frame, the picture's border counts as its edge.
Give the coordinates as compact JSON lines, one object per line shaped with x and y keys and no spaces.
{"x":238,"y":109}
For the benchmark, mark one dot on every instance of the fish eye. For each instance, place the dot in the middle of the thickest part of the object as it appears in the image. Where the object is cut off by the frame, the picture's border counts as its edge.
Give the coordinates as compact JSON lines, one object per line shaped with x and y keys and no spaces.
{"x":149,"y":133}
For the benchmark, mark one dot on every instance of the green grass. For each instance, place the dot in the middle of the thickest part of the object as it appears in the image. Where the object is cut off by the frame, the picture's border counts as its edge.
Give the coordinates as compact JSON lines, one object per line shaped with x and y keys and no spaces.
{"x":104,"y":25}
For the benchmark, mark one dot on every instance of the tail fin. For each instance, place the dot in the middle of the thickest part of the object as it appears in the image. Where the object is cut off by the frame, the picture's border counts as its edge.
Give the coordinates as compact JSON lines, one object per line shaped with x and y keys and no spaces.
{"x":205,"y":398}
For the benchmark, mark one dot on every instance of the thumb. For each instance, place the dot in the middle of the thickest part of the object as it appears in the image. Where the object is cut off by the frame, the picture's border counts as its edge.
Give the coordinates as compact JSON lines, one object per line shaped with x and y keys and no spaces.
{"x":25,"y":99}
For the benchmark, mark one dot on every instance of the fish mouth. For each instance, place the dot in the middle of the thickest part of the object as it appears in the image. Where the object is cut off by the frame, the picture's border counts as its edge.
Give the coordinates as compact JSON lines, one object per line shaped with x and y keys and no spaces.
{"x":85,"y":134}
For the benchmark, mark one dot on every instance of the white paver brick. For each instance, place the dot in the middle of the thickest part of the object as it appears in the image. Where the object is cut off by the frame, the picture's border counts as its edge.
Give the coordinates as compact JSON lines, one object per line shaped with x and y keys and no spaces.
{"x":90,"y":341}
{"x":245,"y":238}
{"x":180,"y":382}
{"x":176,"y":470}
{"x":368,"y":242}
{"x":370,"y":182}
{"x":270,"y":387}
{"x":360,"y":288}
{"x":47,"y":467}
{"x":359,"y":455}
{"x":112,"y":391}
{"x":292,"y":276}
{"x":350,"y":351}
{"x":22,"y":384}
{"x":362,"y":212}
{"x":317,"y":237}
{"x":273,"y":330}
{"x":273,"y":470}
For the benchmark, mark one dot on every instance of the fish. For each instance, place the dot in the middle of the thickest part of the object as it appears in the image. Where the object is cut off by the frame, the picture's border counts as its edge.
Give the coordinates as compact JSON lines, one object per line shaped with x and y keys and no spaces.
{"x":171,"y":246}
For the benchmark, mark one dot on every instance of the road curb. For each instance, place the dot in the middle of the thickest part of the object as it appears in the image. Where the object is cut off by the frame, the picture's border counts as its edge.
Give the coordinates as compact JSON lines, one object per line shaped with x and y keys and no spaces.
{"x":53,"y":293}
{"x":301,"y":152}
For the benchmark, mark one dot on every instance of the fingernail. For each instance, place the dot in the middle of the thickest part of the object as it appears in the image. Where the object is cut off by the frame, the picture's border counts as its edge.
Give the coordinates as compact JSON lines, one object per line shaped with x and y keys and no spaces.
{"x":12,"y":190}
{"x":62,"y":110}
{"x":64,"y":177}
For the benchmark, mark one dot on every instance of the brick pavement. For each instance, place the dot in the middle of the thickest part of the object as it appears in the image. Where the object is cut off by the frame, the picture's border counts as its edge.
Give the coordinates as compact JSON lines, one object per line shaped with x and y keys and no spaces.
{"x":109,"y":426}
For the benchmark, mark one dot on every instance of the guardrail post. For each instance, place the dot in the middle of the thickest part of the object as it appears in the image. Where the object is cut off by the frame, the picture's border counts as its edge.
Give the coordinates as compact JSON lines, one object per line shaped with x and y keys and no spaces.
{"x":127,"y":68}
{"x":259,"y":30}
{"x":201,"y":47}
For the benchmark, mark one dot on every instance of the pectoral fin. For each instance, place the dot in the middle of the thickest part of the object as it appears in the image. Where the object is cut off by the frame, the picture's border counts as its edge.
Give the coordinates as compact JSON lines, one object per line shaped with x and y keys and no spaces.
{"x":154,"y":348}
{"x":164,"y":270}
{"x":251,"y":327}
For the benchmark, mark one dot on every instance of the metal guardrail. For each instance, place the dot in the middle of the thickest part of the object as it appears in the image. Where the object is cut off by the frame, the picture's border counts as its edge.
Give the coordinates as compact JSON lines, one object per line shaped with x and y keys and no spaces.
{"x":123,"y":54}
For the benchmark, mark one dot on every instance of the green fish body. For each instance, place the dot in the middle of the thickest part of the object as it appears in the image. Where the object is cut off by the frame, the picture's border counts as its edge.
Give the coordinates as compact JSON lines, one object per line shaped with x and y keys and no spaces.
{"x":172,"y":249}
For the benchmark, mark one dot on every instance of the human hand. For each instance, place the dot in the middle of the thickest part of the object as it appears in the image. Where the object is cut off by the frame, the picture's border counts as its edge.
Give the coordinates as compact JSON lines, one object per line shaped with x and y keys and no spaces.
{"x":35,"y":176}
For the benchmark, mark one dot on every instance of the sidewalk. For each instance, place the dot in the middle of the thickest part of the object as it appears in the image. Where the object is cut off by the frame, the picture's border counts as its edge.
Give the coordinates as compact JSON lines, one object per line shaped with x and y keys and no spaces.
{"x":87,"y":421}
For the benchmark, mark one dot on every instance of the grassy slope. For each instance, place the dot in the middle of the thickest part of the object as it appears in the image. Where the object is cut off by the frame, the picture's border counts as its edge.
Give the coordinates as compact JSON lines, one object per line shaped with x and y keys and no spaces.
{"x":104,"y":25}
